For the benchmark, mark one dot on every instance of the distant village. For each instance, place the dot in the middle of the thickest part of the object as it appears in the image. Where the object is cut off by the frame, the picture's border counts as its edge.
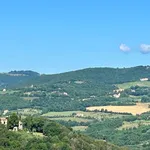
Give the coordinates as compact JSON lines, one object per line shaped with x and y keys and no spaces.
{"x":117,"y":93}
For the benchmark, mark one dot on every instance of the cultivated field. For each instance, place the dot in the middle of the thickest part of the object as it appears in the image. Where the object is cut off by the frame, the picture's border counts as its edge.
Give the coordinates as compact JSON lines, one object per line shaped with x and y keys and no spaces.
{"x":79,"y":128}
{"x":60,"y":114}
{"x":30,"y":98}
{"x":72,"y":119}
{"x":139,"y":108}
{"x":129,"y":84}
{"x":27,"y":111}
{"x":92,"y":115}
{"x":127,"y":125}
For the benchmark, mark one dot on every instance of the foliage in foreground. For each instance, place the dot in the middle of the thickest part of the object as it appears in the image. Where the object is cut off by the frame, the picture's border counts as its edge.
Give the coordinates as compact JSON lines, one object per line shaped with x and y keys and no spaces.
{"x":55,"y":137}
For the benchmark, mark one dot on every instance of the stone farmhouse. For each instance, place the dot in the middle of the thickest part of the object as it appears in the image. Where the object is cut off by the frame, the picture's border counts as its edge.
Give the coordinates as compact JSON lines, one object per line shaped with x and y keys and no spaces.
{"x":4,"y":121}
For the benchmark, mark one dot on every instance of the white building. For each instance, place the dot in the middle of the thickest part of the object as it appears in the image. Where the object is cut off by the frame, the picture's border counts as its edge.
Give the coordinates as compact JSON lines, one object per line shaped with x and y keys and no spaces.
{"x":79,"y":115}
{"x":66,"y":94}
{"x":117,"y":95}
{"x":144,"y":79}
{"x":4,"y":90}
{"x":3,"y":121}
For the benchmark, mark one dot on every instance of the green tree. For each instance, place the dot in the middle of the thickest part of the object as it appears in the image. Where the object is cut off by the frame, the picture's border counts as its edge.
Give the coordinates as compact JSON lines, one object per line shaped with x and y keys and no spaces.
{"x":13,"y":121}
{"x":52,"y":129}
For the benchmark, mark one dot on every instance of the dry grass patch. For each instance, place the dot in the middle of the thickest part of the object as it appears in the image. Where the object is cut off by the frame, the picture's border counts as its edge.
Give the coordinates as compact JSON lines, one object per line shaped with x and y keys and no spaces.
{"x":139,"y":108}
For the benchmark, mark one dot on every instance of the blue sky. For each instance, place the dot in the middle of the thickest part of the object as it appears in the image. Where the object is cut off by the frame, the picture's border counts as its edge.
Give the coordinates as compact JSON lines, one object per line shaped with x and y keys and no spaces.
{"x":56,"y":36}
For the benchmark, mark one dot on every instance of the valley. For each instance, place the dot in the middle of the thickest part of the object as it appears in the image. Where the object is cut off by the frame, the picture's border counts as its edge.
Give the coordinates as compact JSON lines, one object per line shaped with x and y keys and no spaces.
{"x":109,"y":104}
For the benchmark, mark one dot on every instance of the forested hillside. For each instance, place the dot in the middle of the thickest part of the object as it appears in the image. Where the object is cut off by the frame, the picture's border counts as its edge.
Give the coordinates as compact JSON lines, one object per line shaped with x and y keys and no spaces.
{"x":99,"y":75}
{"x":42,"y":134}
{"x":74,"y":90}
{"x":15,"y":78}
{"x":91,"y":75}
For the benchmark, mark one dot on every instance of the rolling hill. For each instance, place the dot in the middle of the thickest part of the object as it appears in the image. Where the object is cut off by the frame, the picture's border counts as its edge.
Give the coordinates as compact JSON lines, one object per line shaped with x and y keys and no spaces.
{"x":74,"y":90}
{"x":71,"y":93}
{"x":15,"y":78}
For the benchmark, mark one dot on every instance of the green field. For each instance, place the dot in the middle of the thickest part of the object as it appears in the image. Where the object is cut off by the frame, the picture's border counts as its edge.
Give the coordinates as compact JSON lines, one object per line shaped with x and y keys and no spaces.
{"x":100,"y":115}
{"x":129,"y":84}
{"x":61,"y":114}
{"x":79,"y":128}
{"x":30,"y":98}
{"x":28,"y":111}
{"x":137,"y":123}
{"x":29,"y":135}
{"x":72,"y":119}
{"x":95,"y":115}
{"x":86,"y":116}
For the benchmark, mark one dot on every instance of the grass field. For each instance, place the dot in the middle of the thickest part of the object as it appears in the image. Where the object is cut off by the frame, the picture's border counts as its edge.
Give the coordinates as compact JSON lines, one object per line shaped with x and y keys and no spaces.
{"x":94,"y":115}
{"x":61,"y":114}
{"x":72,"y":119}
{"x":135,"y":109}
{"x":127,"y":125}
{"x":30,"y":98}
{"x":79,"y":128}
{"x":28,"y":111}
{"x":30,"y":135}
{"x":136,"y":98}
{"x":129,"y":84}
{"x":37,"y":134}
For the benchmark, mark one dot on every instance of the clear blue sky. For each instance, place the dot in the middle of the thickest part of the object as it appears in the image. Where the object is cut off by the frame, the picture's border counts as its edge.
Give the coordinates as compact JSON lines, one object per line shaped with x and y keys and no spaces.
{"x":51,"y":36}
